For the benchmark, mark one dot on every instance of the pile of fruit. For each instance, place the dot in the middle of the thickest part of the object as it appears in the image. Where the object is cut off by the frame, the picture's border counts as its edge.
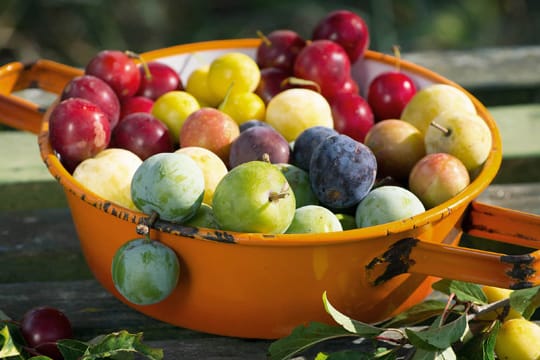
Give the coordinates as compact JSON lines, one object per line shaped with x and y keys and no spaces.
{"x":282,"y":142}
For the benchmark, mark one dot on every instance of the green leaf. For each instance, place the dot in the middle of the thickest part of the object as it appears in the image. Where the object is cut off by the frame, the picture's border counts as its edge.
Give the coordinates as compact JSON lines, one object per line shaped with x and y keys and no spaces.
{"x":482,"y":346}
{"x":525,"y":301}
{"x":350,"y":355}
{"x":446,"y":354}
{"x":72,"y":349}
{"x":357,"y":327}
{"x":439,"y":338}
{"x":8,"y":346}
{"x":120,"y":343}
{"x":417,"y":314}
{"x":303,"y":337}
{"x":464,"y":291}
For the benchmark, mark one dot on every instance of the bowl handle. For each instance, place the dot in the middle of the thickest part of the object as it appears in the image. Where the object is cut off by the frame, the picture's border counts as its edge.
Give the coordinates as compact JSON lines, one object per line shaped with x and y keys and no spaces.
{"x":42,"y":74}
{"x":411,"y":255}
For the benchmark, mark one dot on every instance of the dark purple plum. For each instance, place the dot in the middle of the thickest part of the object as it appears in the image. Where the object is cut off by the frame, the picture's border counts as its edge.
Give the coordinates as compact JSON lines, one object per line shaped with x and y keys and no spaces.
{"x":252,"y":123}
{"x":255,"y":142}
{"x":306,"y":142}
{"x":342,"y":171}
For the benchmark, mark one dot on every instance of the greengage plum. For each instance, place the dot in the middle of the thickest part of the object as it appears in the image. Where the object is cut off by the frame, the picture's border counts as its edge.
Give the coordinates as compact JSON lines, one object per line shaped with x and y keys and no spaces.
{"x":170,"y":184}
{"x":306,"y":142}
{"x":342,"y":171}
{"x":145,"y":271}
{"x":298,"y":179}
{"x":256,"y":143}
{"x":386,"y":204}
{"x":97,"y":91}
{"x":143,"y":134}
{"x":78,"y":130}
{"x":254,"y":197}
{"x":204,"y":218}
{"x":314,"y":219}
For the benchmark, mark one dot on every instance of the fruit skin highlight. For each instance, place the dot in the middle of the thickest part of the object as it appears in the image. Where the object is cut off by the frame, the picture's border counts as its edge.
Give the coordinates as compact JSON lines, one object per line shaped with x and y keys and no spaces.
{"x":145,"y":271}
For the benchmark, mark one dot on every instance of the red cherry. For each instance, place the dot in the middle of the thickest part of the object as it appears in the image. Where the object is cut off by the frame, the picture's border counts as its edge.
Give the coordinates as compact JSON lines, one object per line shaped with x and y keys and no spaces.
{"x":161,"y":79}
{"x":117,"y":69}
{"x":345,"y":28}
{"x":388,"y":93}
{"x":352,"y":115}
{"x":42,"y":327}
{"x":325,"y":63}
{"x":142,"y":134}
{"x":135,"y":104}
{"x":279,"y":49}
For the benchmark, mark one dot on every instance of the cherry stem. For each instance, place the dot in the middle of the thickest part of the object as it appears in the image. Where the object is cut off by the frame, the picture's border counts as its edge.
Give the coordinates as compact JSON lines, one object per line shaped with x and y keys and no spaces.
{"x":397,"y":54}
{"x":301,"y":82}
{"x":264,"y":38}
{"x":134,"y":55}
{"x":446,"y":131}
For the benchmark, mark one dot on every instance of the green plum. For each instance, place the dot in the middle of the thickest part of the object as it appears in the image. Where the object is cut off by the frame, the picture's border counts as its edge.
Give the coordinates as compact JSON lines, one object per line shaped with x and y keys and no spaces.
{"x":145,"y":271}
{"x":254,"y":197}
{"x":170,"y":184}
{"x":314,"y":219}
{"x":348,"y":221}
{"x":204,"y":218}
{"x":299,"y":181}
{"x":385,"y":204}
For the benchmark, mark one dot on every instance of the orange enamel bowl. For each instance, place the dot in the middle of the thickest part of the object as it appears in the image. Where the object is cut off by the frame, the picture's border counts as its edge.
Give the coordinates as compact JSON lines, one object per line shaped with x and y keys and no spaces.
{"x":262,"y":286}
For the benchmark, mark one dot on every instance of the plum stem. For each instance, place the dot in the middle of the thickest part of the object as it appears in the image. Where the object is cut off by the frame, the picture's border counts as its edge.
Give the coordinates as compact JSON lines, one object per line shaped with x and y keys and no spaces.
{"x":446,"y":131}
{"x":134,"y":55}
{"x":143,"y":228}
{"x":264,"y":38}
{"x":397,"y":53}
{"x":283,"y":193}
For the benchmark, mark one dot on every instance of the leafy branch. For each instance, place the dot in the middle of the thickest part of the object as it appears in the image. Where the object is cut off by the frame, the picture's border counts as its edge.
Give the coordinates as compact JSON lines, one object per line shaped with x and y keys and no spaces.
{"x":449,"y":328}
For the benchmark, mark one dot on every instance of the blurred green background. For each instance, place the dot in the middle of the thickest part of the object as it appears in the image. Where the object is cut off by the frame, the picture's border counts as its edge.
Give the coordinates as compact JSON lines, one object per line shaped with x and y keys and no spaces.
{"x":72,"y":31}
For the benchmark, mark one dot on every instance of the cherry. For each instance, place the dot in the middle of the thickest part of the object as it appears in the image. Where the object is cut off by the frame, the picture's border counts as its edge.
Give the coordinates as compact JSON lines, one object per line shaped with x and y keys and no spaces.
{"x":389,"y":92}
{"x":78,"y":129}
{"x":158,"y":78}
{"x":325,"y":63}
{"x":279,"y":49}
{"x":135,"y":104}
{"x":117,"y":69}
{"x":97,"y":91}
{"x":142,"y":134}
{"x":42,"y":327}
{"x":352,"y":115}
{"x":272,"y":82}
{"x":345,"y":28}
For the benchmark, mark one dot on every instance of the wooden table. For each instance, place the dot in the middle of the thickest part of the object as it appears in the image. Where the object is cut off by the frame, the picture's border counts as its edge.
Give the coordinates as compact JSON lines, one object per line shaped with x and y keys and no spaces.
{"x":40,"y":258}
